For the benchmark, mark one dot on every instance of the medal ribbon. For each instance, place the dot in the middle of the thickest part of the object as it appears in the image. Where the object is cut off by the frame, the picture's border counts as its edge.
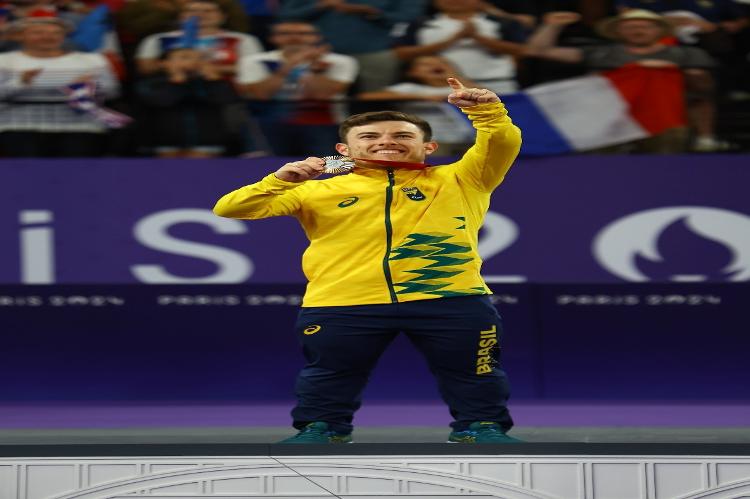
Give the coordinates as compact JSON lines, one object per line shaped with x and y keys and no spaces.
{"x":395,"y":164}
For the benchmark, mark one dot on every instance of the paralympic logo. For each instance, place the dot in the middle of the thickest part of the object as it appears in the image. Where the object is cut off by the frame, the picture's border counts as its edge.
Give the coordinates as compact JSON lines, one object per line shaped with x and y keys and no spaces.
{"x":638,"y":237}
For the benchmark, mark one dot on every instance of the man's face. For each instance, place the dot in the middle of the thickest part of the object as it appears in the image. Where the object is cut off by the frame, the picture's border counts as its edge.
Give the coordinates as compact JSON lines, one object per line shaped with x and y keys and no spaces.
{"x":387,"y":140}
{"x":209,"y":15}
{"x":43,"y":37}
{"x":639,"y":32}
{"x":286,"y":35}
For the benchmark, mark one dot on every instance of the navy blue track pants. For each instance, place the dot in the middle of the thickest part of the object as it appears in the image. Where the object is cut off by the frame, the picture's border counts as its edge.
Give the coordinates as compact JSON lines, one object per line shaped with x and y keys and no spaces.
{"x":458,"y":336}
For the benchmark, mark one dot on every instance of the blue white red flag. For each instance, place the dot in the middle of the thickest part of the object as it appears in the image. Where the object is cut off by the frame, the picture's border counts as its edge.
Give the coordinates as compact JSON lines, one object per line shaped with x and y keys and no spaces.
{"x":589,"y":112}
{"x":81,"y":98}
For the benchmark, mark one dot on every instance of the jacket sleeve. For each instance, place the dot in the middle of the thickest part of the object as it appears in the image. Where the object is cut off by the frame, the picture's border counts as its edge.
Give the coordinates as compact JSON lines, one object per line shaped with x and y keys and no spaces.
{"x":268,"y":198}
{"x":495,"y":148}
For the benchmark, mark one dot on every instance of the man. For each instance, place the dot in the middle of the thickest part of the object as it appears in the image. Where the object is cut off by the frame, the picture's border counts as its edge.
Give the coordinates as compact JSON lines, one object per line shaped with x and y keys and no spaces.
{"x":393,"y":247}
{"x":224,"y":48}
{"x":300,"y":80}
{"x":720,"y":27}
{"x":674,"y":70}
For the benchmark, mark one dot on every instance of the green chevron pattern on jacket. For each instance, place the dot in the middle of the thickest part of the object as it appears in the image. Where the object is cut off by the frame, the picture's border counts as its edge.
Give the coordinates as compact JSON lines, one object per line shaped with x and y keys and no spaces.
{"x":433,"y":278}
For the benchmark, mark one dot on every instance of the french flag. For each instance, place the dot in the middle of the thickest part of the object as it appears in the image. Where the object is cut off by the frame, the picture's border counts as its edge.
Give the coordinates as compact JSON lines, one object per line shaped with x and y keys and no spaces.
{"x":580,"y":114}
{"x":81,"y":98}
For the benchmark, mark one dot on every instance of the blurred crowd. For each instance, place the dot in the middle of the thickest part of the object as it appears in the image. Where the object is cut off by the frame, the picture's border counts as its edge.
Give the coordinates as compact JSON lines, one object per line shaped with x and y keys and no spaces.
{"x":208,"y":78}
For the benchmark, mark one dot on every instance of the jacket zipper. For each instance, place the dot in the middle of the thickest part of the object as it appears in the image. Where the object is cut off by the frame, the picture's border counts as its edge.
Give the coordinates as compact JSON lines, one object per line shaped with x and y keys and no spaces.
{"x":389,"y":235}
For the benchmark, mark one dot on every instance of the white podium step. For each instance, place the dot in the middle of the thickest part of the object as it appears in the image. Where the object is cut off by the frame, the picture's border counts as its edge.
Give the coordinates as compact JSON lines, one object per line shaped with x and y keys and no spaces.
{"x":514,"y":471}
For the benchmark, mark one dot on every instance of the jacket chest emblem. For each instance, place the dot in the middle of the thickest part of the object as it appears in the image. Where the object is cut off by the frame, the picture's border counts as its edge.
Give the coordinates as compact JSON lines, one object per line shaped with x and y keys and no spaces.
{"x":414,"y":193}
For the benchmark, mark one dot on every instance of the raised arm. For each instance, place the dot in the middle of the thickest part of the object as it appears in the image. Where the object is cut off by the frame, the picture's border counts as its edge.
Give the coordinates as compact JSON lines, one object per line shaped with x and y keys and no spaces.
{"x":498,"y":140}
{"x":543,"y":42}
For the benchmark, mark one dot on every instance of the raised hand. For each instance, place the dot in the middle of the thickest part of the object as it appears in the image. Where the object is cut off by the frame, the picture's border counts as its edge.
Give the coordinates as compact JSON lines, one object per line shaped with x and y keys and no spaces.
{"x":299,"y":171}
{"x":467,"y":97}
{"x":561,"y":18}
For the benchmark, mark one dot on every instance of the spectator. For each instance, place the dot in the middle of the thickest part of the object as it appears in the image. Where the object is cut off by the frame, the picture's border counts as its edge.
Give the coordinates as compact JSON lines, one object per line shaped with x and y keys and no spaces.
{"x":474,"y":42}
{"x":714,"y":26}
{"x":225,"y":48}
{"x":301,"y":78}
{"x":639,"y":44}
{"x":10,"y":12}
{"x":704,"y":16}
{"x":185,"y":105}
{"x":361,"y":30}
{"x":140,"y":18}
{"x":70,"y":11}
{"x":425,"y":95}
{"x":37,"y":118}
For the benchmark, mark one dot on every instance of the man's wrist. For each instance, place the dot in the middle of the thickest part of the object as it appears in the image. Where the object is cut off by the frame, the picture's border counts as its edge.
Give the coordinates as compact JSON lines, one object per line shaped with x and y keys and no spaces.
{"x":275,"y":177}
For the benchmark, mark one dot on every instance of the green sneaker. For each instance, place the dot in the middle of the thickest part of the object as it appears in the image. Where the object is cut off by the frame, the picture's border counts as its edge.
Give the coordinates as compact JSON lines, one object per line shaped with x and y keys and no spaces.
{"x":317,"y":432}
{"x":482,"y":432}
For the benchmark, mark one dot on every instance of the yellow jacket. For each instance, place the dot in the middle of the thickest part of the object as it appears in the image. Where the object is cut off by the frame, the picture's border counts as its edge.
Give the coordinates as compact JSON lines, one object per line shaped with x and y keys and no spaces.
{"x":379,"y":235}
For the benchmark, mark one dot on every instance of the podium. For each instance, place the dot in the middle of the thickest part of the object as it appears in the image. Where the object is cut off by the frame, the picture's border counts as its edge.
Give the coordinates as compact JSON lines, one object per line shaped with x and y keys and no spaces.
{"x":537,"y":470}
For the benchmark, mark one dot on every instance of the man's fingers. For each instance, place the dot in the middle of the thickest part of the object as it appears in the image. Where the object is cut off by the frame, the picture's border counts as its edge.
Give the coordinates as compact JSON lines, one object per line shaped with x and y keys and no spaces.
{"x":309,"y":167}
{"x":304,"y":172}
{"x":455,"y":84}
{"x":491,"y":97}
{"x":467,"y":97}
{"x":300,"y":171}
{"x":315,"y":161}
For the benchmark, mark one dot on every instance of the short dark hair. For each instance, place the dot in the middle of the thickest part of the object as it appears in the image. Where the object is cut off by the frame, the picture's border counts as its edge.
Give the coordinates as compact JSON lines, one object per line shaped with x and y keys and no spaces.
{"x":377,"y":116}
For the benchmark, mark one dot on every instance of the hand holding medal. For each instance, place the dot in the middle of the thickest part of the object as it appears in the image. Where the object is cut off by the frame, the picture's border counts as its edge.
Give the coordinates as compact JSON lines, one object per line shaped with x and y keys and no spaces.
{"x":299,"y":171}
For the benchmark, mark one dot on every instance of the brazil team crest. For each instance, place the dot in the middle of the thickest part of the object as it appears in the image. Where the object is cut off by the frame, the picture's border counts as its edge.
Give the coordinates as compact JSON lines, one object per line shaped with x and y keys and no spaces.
{"x":414,"y":193}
